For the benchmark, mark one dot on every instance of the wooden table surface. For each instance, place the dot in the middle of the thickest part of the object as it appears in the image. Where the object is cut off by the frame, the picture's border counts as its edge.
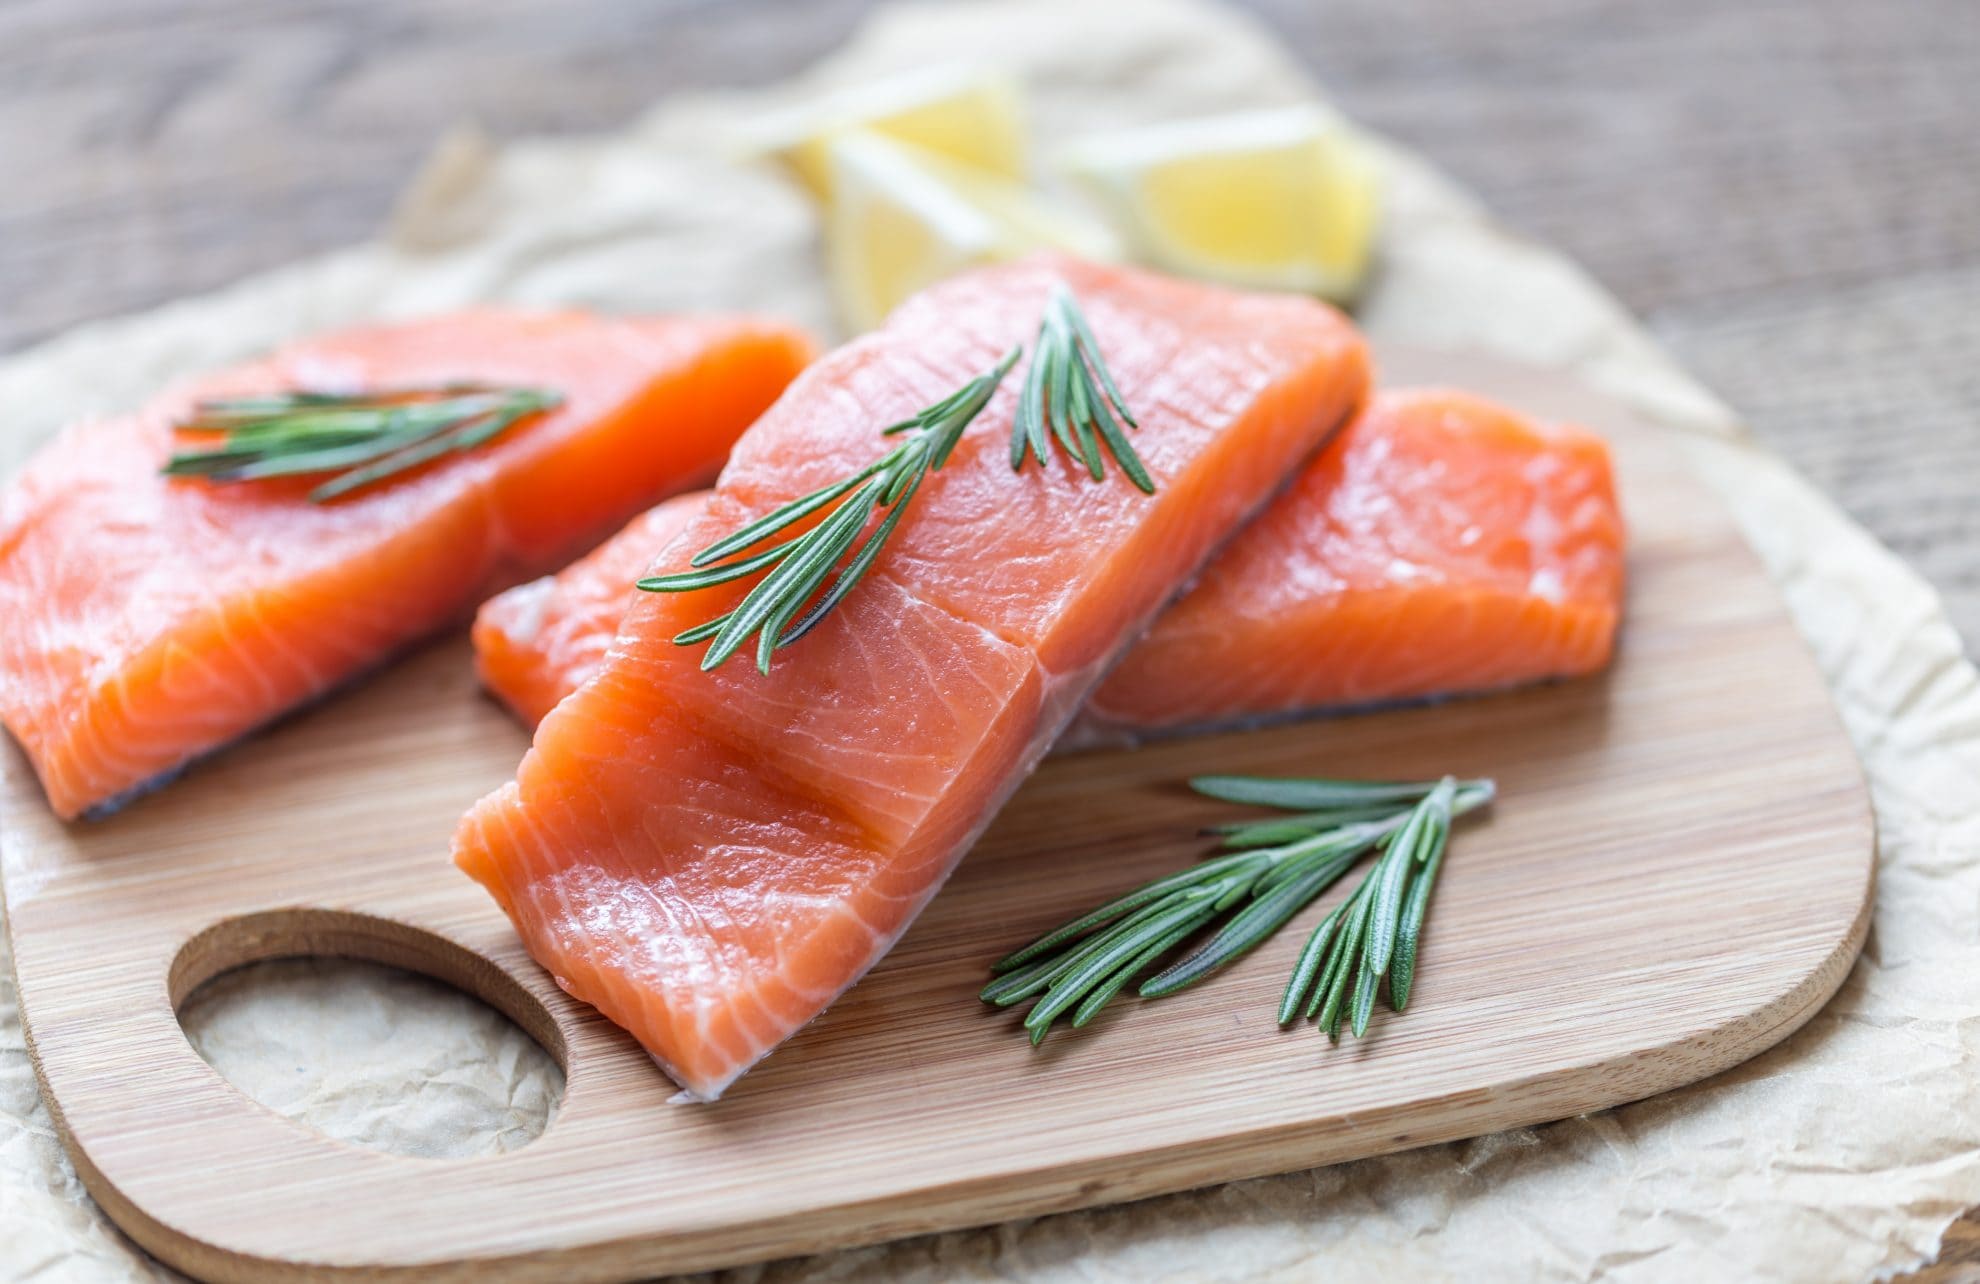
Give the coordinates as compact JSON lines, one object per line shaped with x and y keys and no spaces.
{"x":1788,"y":192}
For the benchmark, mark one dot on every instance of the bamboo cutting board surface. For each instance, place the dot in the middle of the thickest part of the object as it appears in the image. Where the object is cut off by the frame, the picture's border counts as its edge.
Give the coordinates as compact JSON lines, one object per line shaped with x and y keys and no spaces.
{"x":1677,"y":875}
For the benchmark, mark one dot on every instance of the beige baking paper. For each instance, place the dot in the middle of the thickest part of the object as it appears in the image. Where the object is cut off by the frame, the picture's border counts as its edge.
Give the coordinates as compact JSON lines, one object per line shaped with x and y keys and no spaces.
{"x":1842,"y":1154}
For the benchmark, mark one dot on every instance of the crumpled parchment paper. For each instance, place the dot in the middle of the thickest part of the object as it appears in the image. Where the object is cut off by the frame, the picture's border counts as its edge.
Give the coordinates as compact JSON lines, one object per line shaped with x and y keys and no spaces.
{"x":1841,"y":1154}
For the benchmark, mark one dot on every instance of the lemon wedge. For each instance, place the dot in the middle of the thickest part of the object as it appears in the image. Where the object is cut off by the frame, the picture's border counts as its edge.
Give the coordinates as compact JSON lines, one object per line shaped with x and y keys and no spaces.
{"x":1286,"y":199}
{"x":971,"y":116}
{"x":903,"y":217}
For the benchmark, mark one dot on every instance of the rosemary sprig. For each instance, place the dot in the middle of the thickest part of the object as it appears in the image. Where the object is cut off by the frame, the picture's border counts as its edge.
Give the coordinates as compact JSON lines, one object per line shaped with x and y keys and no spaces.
{"x":1266,"y":873}
{"x":1069,"y":388}
{"x":362,"y":438}
{"x":769,"y":611}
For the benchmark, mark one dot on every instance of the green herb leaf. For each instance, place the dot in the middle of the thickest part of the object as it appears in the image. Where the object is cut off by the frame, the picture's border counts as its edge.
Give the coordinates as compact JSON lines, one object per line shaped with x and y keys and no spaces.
{"x":839,"y":548}
{"x":1069,"y":389}
{"x":1309,"y":795}
{"x":1306,"y":972}
{"x":363,"y":438}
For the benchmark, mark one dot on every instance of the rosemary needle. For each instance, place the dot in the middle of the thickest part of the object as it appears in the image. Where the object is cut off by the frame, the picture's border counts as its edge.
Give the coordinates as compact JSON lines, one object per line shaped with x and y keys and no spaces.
{"x":362,"y":438}
{"x":1069,"y":390}
{"x":1266,"y":872}
{"x":799,"y":567}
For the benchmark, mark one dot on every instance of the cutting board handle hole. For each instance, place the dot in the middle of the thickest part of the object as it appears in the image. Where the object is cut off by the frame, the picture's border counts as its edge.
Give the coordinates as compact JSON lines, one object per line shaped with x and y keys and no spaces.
{"x":259,"y":995}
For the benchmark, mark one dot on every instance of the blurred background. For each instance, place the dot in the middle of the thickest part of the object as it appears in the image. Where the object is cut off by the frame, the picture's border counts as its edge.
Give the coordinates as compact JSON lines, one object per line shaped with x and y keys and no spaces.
{"x":1788,"y":192}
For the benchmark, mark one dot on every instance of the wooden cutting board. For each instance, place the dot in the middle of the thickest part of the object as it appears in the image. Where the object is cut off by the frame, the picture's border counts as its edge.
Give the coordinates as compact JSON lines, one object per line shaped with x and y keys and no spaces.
{"x":1677,"y":875}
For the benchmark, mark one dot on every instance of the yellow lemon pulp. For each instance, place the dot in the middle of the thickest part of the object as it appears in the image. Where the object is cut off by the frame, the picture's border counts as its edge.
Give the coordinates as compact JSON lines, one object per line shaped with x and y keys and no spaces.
{"x":903,"y":217}
{"x":971,"y":117}
{"x":1282,"y":200}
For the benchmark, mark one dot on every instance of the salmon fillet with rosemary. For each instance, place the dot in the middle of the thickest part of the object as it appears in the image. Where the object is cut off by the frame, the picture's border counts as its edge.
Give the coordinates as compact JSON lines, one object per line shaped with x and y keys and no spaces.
{"x":710,"y":858}
{"x":147,"y":620}
{"x":1442,"y":544}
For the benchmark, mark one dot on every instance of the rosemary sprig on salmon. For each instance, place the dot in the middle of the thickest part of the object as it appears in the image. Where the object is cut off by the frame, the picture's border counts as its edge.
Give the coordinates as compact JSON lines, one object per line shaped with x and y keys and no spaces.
{"x":361,"y":437}
{"x":1267,"y":872}
{"x":770,"y":611}
{"x":149,"y":620}
{"x":1069,"y":389}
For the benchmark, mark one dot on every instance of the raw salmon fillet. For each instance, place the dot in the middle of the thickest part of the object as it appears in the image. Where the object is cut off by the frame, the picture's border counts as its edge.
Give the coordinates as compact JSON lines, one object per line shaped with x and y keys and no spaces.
{"x":1441,"y":544}
{"x":145,"y":621}
{"x":711,"y":858}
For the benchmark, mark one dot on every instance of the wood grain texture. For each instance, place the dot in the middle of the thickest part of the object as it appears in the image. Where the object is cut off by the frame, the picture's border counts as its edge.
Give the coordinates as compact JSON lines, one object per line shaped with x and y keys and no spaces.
{"x":1678,"y":875}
